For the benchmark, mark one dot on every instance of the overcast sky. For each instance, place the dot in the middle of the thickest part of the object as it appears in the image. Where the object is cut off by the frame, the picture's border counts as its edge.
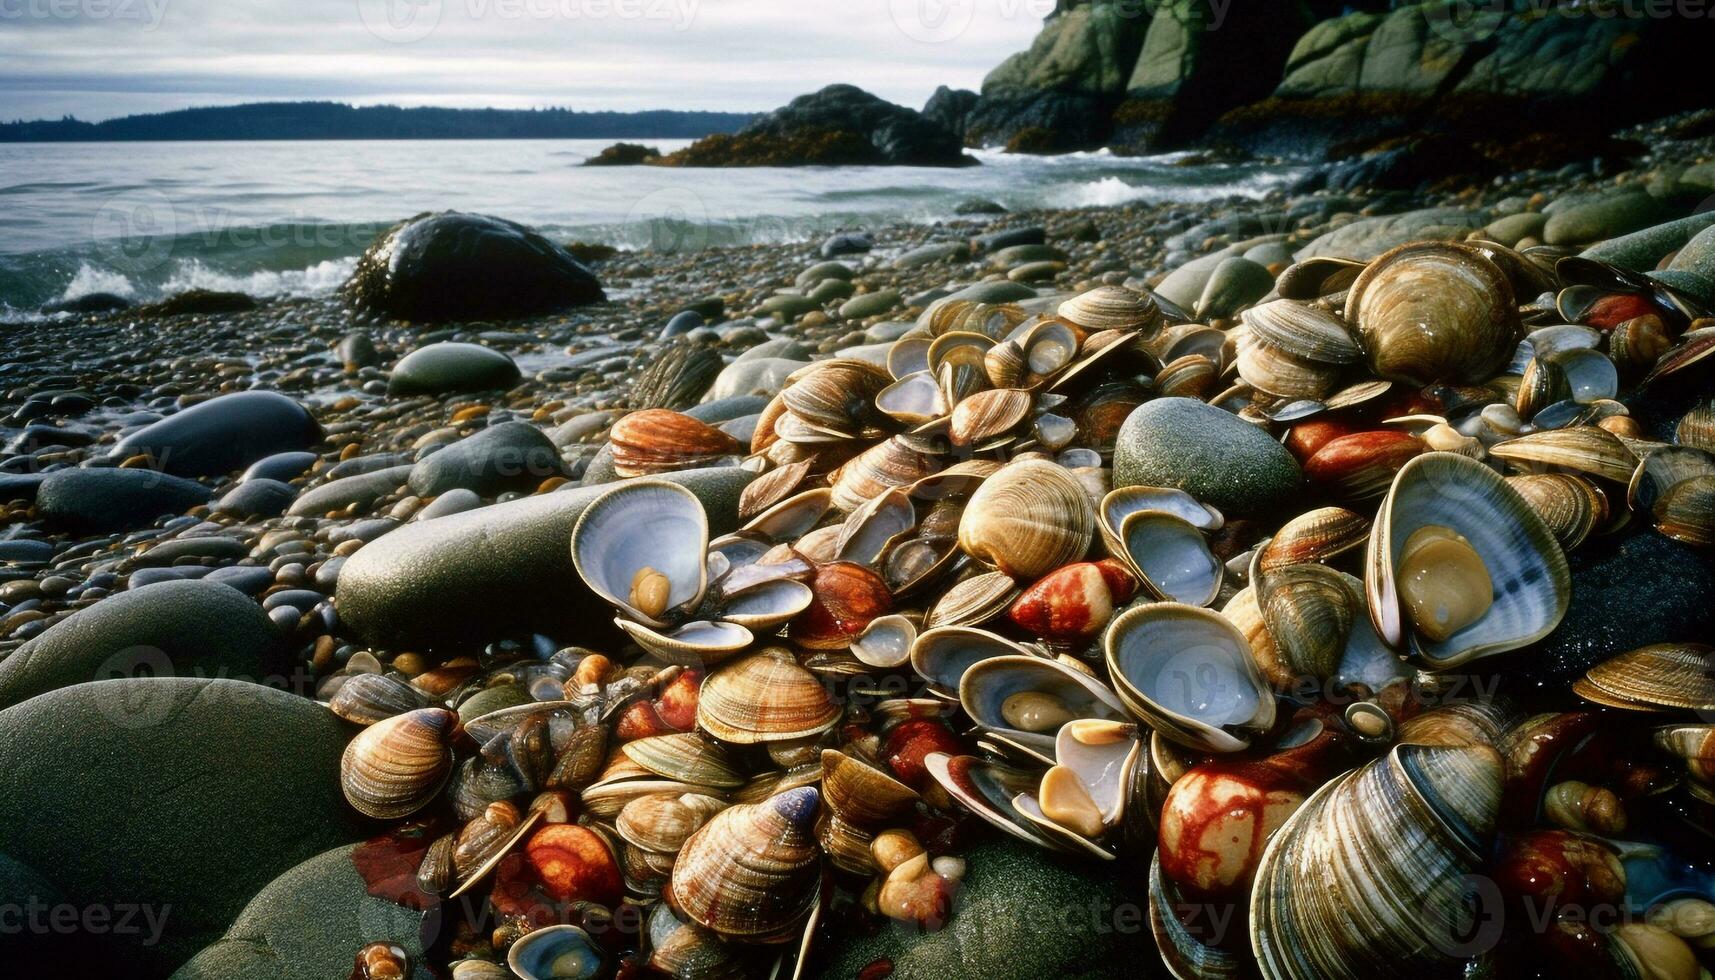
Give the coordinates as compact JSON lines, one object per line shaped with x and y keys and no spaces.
{"x":101,"y":58}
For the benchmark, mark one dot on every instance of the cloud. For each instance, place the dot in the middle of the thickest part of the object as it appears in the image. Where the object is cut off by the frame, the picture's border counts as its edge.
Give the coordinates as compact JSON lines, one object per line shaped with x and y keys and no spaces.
{"x":102,"y":58}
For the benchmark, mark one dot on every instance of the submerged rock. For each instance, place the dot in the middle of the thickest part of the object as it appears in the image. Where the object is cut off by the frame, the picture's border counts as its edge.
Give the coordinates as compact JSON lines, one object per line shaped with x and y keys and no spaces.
{"x":840,"y":125}
{"x":456,"y":266}
{"x":623,"y":155}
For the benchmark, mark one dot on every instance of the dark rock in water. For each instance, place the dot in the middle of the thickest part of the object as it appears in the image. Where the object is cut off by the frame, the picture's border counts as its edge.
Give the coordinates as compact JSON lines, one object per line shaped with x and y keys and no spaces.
{"x":500,"y":570}
{"x":89,"y":303}
{"x":682,"y":322}
{"x":979,"y":205}
{"x":949,"y":106}
{"x":677,"y":376}
{"x":841,"y":125}
{"x":508,"y":456}
{"x":623,"y":155}
{"x":307,"y":924}
{"x":280,"y":466}
{"x":1408,"y":165}
{"x":1209,"y":453}
{"x":177,"y":798}
{"x":171,"y":629}
{"x":1644,"y":588}
{"x":456,"y":266}
{"x":1020,"y":913}
{"x":223,"y":434}
{"x":90,"y":501}
{"x":363,"y":489}
{"x":257,"y":498}
{"x":451,"y":367}
{"x":204,"y":301}
{"x":846,"y":244}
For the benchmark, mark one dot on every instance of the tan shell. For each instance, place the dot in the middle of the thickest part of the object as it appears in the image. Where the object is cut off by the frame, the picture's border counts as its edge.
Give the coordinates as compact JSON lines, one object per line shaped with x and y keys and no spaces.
{"x":397,"y":766}
{"x":1315,"y":536}
{"x":1028,"y":519}
{"x":1431,"y":312}
{"x":1113,"y":308}
{"x":1571,"y":506}
{"x":1582,"y":448}
{"x":860,"y":793}
{"x":751,"y":873}
{"x":1658,"y":677}
{"x":764,"y":697}
{"x":657,"y":440}
{"x":983,"y":417}
{"x":878,"y":469}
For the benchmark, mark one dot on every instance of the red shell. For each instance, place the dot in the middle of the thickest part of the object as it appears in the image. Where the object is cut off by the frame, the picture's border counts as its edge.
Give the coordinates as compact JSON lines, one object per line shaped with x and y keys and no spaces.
{"x":1070,"y":604}
{"x":1214,"y":824}
{"x":1303,"y":439}
{"x":1362,"y":463}
{"x":847,"y":597}
{"x":1612,"y":310}
{"x":575,"y":865}
{"x":909,"y":743}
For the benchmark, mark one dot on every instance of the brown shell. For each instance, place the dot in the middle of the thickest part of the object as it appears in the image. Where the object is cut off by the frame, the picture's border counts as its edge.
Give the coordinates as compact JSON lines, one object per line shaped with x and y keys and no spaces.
{"x":397,"y":766}
{"x":1430,"y":312}
{"x":657,"y":440}
{"x":764,"y":697}
{"x":752,"y":872}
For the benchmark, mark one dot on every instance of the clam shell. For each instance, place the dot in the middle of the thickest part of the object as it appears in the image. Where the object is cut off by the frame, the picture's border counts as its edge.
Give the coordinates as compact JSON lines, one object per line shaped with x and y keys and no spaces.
{"x":986,"y":685}
{"x":1434,"y":312}
{"x":1303,"y":330}
{"x":878,"y":469}
{"x":1189,"y":673}
{"x":643,"y":524}
{"x":873,"y":528}
{"x":397,"y":766}
{"x":658,"y":440}
{"x":1121,"y":502}
{"x":764,"y":697}
{"x":689,"y":952}
{"x":558,"y":952}
{"x":837,"y":395}
{"x":771,"y":488}
{"x":368,"y":698}
{"x":1532,"y":585}
{"x":1315,"y":536}
{"x":912,"y":400}
{"x":886,"y":642}
{"x":1274,"y":371}
{"x":1028,"y":519}
{"x":1395,"y":839}
{"x":1661,"y":676}
{"x":1113,"y":308}
{"x":987,"y":789}
{"x":987,"y":415}
{"x":974,"y":601}
{"x":751,"y":873}
{"x":687,"y":757}
{"x":1571,"y":506}
{"x":1582,"y":448}
{"x":860,"y":793}
{"x":942,"y":655}
{"x":1170,"y":557}
{"x":1309,"y":611}
{"x":662,"y":822}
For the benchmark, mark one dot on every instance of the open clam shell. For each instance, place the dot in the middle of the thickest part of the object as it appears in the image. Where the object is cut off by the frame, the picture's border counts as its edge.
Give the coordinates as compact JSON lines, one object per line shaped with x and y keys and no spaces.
{"x":1189,"y":673}
{"x":1027,"y":699}
{"x":1095,"y":759}
{"x":987,"y":789}
{"x":1526,"y":570}
{"x":886,"y":642}
{"x":1170,"y":557}
{"x":1122,"y":502}
{"x":942,"y":655}
{"x":643,"y":524}
{"x":559,"y":952}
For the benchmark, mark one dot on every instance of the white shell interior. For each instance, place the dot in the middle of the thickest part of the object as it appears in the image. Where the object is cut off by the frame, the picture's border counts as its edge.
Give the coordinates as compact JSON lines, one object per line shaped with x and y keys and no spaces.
{"x":651,"y":524}
{"x":1172,"y":554}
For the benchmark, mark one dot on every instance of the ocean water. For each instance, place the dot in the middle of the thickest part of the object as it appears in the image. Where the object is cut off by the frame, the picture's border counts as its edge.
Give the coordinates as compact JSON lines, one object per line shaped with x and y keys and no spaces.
{"x":289,"y":218}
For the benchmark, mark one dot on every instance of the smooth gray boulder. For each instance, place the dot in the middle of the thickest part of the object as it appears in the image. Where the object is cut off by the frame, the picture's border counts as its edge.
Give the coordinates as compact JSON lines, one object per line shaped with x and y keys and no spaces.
{"x":1208,"y":452}
{"x":451,"y":367}
{"x":308,"y":924}
{"x":508,"y":456}
{"x":176,"y":798}
{"x":96,"y":500}
{"x":172,"y":628}
{"x":763,"y":376}
{"x":260,"y":497}
{"x":223,"y":434}
{"x":500,"y":570}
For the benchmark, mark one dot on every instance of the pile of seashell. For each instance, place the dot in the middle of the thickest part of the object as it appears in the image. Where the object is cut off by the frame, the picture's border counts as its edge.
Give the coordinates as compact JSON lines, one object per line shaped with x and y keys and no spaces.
{"x":939,"y":607}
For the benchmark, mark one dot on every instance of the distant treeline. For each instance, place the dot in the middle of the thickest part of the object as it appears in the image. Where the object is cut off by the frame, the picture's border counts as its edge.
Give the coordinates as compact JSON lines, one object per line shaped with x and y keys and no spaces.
{"x":336,"y":121}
